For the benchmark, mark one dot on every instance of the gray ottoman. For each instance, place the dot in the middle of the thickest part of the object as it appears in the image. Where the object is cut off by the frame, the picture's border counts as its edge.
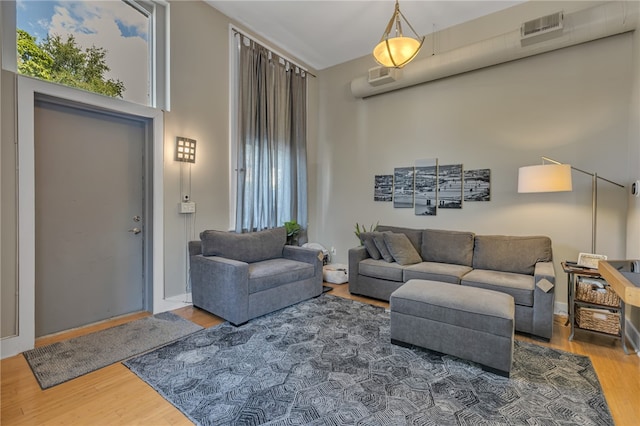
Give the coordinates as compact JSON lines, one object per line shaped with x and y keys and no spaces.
{"x":467,"y":322}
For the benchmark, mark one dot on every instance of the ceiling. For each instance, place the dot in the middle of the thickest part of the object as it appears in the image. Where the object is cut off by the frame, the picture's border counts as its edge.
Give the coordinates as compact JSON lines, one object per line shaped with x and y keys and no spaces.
{"x":329,"y":32}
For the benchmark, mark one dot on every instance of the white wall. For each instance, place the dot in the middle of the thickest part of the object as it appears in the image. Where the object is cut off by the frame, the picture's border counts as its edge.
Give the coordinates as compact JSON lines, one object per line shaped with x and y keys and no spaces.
{"x":571,"y":105}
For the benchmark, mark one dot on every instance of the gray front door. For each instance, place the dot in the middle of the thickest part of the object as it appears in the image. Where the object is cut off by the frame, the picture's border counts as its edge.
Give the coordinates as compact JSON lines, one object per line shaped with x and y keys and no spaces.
{"x":89,"y":207}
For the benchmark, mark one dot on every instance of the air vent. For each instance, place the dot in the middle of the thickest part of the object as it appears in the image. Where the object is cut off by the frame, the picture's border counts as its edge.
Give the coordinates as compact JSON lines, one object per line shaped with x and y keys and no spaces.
{"x":542,"y":28}
{"x":382,"y":75}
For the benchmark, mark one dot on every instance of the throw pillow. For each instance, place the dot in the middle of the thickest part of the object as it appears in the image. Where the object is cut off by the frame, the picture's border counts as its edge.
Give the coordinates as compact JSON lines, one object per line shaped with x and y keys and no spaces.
{"x":373,"y":251}
{"x":248,"y":247}
{"x":401,"y":249}
{"x":382,"y":247}
{"x":366,"y":238}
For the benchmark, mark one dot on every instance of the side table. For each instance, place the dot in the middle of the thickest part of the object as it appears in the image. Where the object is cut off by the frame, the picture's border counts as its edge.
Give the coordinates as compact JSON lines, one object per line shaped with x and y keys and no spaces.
{"x":574,"y":272}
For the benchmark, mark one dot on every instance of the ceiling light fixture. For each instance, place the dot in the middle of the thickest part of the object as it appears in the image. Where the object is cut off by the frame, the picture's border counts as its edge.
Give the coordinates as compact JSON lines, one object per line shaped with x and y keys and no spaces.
{"x":395,"y":50}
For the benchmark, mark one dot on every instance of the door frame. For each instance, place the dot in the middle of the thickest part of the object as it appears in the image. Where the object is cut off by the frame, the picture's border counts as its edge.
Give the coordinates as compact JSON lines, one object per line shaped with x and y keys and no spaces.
{"x":28,"y":89}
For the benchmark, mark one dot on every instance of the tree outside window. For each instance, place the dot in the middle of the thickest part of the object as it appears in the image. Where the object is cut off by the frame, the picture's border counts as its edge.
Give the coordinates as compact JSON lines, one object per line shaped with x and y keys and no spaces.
{"x":98,"y":46}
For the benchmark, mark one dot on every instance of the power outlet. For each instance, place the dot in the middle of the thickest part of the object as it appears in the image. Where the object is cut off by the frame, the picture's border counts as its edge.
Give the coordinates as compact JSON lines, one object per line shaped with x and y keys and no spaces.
{"x":188,"y":207}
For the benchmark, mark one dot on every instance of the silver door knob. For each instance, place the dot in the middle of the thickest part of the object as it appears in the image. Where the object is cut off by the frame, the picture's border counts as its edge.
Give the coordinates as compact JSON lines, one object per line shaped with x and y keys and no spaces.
{"x":135,"y":230}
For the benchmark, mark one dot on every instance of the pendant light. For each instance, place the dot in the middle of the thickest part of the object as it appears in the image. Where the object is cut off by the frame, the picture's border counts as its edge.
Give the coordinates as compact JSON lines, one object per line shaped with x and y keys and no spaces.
{"x":396,"y":50}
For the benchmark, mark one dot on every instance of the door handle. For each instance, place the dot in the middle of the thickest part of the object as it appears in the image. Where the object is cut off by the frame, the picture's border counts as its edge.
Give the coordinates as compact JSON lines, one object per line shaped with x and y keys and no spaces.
{"x":135,"y":230}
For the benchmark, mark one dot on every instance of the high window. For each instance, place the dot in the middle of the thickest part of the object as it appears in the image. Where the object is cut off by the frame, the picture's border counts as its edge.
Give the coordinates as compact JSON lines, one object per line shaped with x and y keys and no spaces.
{"x":115,"y":48}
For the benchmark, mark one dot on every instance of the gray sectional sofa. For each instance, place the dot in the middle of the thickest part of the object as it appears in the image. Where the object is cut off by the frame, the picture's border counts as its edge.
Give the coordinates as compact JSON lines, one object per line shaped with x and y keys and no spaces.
{"x":243,"y":276}
{"x":517,"y":265}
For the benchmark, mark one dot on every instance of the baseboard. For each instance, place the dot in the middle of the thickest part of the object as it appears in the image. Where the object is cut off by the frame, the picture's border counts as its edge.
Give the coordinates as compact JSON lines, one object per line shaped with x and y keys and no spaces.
{"x":173,"y":302}
{"x":561,"y":308}
{"x":633,"y":336}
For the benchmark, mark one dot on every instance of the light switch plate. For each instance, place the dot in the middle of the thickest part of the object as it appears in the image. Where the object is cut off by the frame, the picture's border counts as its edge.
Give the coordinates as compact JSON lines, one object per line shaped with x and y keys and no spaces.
{"x":189,"y":207}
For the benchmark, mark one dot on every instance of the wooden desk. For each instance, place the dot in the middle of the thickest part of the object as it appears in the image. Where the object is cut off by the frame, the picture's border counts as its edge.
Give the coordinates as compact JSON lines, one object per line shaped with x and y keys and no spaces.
{"x":628,"y":291}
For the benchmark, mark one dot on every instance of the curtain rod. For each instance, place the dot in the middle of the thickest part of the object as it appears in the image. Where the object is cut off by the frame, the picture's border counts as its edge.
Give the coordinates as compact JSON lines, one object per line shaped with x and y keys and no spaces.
{"x":238,"y":32}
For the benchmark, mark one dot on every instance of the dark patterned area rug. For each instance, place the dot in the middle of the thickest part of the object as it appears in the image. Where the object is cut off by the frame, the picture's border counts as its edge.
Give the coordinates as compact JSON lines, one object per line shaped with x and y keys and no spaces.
{"x":62,"y":361}
{"x":328,"y":361}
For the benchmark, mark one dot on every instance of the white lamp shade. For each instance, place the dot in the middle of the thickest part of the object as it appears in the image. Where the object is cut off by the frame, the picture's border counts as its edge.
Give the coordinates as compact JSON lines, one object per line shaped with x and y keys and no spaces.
{"x":545,"y":178}
{"x":401,"y":49}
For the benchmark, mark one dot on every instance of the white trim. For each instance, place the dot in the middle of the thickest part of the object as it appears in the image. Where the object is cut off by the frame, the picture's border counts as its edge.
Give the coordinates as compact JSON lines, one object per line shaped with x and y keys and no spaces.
{"x":159,"y":42}
{"x":561,"y":308}
{"x":28,"y":88}
{"x":9,"y":46}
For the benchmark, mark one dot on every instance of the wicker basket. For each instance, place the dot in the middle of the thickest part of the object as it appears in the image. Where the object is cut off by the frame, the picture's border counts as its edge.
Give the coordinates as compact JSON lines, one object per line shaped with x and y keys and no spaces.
{"x":598,"y":319}
{"x":588,"y":292}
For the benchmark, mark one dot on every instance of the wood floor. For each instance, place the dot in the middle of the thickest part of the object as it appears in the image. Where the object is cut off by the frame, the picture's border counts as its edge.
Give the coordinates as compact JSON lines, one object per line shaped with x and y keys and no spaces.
{"x":115,"y":396}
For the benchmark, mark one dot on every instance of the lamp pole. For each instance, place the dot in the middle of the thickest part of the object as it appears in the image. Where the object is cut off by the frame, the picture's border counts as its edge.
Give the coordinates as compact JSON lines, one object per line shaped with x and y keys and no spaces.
{"x":594,"y":197}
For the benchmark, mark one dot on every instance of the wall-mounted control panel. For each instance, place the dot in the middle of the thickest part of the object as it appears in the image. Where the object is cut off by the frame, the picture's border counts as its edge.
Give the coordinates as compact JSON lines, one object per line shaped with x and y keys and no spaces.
{"x":188,"y":207}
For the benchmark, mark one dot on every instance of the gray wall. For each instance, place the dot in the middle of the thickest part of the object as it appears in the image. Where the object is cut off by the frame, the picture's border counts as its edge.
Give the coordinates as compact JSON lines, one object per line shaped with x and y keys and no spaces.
{"x":633,"y":222}
{"x":572,"y":105}
{"x":199,"y":110}
{"x":8,"y":224}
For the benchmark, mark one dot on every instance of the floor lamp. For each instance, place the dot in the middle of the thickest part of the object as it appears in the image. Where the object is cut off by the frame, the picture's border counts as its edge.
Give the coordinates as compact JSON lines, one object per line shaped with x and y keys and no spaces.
{"x":556,"y":177}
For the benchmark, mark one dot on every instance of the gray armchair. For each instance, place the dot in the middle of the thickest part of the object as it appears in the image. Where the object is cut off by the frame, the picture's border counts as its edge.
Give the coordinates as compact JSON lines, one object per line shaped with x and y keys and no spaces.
{"x":243,"y":276}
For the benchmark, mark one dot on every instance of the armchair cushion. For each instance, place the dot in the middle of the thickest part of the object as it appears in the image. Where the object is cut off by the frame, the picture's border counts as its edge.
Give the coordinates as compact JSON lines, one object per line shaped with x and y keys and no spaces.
{"x":276,"y":272}
{"x":247,"y":247}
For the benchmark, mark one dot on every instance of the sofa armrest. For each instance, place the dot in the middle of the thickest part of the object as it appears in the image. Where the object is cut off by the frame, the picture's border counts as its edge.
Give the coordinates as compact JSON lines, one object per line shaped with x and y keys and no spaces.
{"x":306,"y":255}
{"x":356,"y":254}
{"x":545,"y":270}
{"x":543,"y":299}
{"x":221,"y":286}
{"x":302,"y":254}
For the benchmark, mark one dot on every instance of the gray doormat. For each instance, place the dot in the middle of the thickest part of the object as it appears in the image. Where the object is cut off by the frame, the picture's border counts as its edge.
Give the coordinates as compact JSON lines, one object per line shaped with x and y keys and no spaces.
{"x":62,"y":361}
{"x":329,"y":361}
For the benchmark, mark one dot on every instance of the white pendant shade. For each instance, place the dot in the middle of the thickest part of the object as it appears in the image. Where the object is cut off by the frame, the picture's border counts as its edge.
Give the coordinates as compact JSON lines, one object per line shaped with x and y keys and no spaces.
{"x":545,"y":178}
{"x":396,"y":52}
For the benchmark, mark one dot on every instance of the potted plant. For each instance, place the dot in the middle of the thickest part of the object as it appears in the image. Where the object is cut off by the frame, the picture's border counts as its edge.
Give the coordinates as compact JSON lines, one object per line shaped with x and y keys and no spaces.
{"x":293,"y":229}
{"x":363,"y":228}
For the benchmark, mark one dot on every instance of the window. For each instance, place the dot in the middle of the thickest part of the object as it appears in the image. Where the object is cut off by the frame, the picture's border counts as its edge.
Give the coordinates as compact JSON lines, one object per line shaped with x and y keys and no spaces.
{"x":269,"y":144}
{"x":116,"y":48}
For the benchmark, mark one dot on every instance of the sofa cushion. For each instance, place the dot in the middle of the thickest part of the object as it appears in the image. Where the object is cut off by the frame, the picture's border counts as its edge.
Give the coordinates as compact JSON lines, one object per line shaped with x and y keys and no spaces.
{"x":433,"y":271}
{"x":381,"y":245}
{"x":520,"y":286}
{"x":381,"y":269}
{"x":415,"y":235}
{"x":247,"y":247}
{"x":511,"y":253}
{"x":447,"y":246}
{"x":272,"y":273}
{"x":401,"y":249}
{"x":373,"y":251}
{"x":366,"y":238}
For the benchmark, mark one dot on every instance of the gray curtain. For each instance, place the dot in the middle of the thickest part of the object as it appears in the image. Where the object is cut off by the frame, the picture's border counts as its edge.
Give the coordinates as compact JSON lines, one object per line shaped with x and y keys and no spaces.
{"x":272,"y":146}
